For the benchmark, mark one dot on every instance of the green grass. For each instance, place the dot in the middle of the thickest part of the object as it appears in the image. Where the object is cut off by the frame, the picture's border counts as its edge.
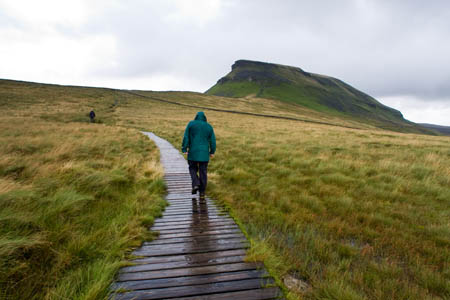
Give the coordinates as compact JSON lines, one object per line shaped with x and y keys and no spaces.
{"x":236,"y":89}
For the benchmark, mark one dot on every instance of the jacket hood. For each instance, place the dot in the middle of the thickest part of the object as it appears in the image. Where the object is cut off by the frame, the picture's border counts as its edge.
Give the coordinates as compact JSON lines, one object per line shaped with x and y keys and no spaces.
{"x":200,"y":116}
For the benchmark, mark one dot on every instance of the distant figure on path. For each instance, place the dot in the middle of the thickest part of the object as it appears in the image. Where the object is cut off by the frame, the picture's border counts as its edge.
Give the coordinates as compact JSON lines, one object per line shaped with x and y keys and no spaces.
{"x":92,"y":116}
{"x":199,"y":143}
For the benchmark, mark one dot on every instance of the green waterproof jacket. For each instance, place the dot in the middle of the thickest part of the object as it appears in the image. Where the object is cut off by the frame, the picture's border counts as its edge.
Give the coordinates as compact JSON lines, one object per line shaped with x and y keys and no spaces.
{"x":199,"y":139}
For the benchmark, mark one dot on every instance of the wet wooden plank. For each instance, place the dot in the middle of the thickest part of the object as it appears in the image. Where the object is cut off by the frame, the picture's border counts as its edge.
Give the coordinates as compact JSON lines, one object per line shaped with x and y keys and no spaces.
{"x":195,"y":242}
{"x":191,"y":207}
{"x":197,"y":238}
{"x":178,"y":205}
{"x":256,"y":294}
{"x":172,"y":210}
{"x":174,"y":196}
{"x":187,"y":280}
{"x":191,"y":214}
{"x":182,"y":212}
{"x":189,"y":225}
{"x":199,"y":257}
{"x":190,"y":250}
{"x":193,"y":226}
{"x":190,"y":218}
{"x":191,"y":201}
{"x":188,"y":271}
{"x":183,"y":264}
{"x":201,"y":289}
{"x":169,"y":235}
{"x":195,"y":230}
{"x":192,"y":244}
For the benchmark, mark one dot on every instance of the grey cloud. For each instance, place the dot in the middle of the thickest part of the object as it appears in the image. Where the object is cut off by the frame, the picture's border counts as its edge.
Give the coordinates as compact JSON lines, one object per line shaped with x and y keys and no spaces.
{"x":384,"y":48}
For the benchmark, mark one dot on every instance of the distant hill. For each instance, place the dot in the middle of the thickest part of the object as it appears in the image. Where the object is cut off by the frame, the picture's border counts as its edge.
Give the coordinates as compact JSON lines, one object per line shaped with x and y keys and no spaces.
{"x":445,"y":130}
{"x":318,"y":92}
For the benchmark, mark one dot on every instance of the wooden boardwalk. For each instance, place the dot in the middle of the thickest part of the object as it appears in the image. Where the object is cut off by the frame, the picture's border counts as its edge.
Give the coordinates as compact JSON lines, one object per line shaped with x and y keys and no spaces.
{"x":199,"y":252}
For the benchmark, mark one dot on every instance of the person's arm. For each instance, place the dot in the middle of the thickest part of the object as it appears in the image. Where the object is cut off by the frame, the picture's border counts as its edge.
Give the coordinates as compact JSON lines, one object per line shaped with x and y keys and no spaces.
{"x":185,"y":144}
{"x":212,"y":143}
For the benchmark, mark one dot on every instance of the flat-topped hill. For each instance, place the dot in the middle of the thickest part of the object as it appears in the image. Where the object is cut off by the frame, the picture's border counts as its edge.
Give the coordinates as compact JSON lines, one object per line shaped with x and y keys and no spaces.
{"x":318,"y":92}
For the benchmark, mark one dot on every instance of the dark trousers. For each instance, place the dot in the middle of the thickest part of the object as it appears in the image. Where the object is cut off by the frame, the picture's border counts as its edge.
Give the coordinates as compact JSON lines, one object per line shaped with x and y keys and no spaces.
{"x":199,"y":174}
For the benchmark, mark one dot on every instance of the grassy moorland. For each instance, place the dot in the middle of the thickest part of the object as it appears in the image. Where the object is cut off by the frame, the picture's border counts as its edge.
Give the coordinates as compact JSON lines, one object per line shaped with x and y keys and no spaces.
{"x":354,"y":213}
{"x":74,"y":196}
{"x":357,"y":214}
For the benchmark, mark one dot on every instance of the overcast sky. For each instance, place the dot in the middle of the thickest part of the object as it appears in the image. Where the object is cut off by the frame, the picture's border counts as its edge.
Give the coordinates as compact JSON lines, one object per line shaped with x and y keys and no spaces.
{"x":396,"y":51}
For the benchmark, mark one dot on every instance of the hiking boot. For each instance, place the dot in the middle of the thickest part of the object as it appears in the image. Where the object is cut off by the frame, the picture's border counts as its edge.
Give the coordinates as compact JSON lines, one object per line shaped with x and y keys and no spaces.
{"x":202,"y":196}
{"x":195,"y":189}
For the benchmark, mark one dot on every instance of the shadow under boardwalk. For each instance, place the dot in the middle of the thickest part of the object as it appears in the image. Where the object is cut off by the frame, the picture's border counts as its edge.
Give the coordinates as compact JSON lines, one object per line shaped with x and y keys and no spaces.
{"x":199,"y":252}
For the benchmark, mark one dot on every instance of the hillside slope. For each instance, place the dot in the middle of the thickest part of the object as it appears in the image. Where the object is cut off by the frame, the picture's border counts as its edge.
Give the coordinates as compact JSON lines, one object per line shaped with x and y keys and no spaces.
{"x":445,"y":130}
{"x":314,"y":91}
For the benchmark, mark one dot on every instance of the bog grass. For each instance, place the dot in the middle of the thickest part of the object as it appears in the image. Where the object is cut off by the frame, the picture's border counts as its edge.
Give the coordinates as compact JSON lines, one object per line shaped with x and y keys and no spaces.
{"x":353,"y":213}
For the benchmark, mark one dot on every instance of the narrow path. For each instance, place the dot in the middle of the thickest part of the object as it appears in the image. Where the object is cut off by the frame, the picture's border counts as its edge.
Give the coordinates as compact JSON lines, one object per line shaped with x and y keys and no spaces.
{"x":199,"y":253}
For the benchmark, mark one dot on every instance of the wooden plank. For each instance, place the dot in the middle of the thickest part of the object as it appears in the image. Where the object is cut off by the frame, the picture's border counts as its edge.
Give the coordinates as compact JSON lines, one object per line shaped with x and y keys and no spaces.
{"x":256,"y":294}
{"x":188,"y":271}
{"x":182,"y":212}
{"x":195,"y":230}
{"x":173,"y":196}
{"x":199,"y":257}
{"x":187,"y":198}
{"x":184,"y":225}
{"x":194,"y":243}
{"x":179,"y":205}
{"x":190,"y":250}
{"x":169,"y":235}
{"x":189,"y":203}
{"x":197,"y":238}
{"x":187,"y":280}
{"x":191,"y":220}
{"x":194,"y":208}
{"x":193,"y":211}
{"x":194,"y":198}
{"x":193,"y":224}
{"x":179,"y":179}
{"x":201,"y":289}
{"x":182,"y":264}
{"x":189,"y":215}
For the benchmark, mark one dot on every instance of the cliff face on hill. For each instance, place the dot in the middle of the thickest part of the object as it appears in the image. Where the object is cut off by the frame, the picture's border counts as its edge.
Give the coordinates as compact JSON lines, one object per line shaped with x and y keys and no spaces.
{"x":318,"y":92}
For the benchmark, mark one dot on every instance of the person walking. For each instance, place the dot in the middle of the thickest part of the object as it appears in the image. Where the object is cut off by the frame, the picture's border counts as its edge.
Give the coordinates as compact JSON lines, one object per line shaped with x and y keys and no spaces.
{"x":92,"y":116}
{"x":199,"y":143}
